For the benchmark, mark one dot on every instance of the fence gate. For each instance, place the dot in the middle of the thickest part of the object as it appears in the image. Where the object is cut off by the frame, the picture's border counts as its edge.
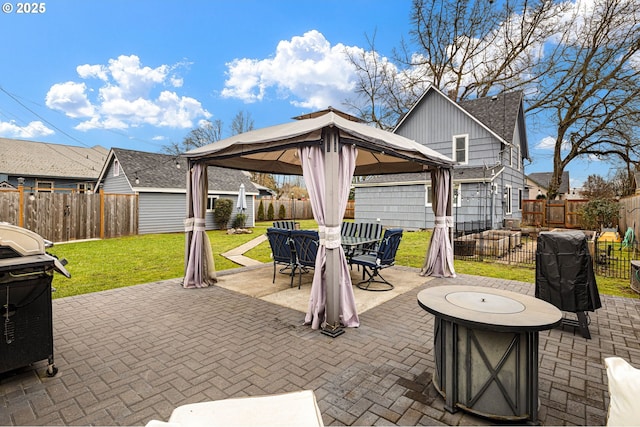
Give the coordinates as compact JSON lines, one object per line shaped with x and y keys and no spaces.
{"x":556,"y":214}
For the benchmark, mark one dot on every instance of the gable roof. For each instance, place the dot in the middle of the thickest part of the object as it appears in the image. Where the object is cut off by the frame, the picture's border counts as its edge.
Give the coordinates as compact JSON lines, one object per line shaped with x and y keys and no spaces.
{"x":499,"y":114}
{"x":160,"y":172}
{"x":542,"y":179}
{"x":40,"y":159}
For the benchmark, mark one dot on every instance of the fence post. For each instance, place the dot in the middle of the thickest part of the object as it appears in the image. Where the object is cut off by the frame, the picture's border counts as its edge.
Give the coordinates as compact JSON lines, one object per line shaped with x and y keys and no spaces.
{"x":21,"y":204}
{"x":101,"y":213}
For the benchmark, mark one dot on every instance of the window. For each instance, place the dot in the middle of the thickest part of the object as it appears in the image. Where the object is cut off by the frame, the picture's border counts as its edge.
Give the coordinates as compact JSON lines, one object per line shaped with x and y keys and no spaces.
{"x":519,"y":158}
{"x":512,"y":153}
{"x":84,"y":187}
{"x":461,"y":148}
{"x":507,"y":196}
{"x":520,"y":194}
{"x":44,"y":186}
{"x":427,"y":195}
{"x":211,"y":203}
{"x":116,"y":168}
{"x":457,"y":196}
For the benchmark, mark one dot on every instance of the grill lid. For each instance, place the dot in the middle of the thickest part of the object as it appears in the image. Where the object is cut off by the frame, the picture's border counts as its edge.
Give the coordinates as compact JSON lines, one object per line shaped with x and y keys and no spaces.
{"x":22,"y":241}
{"x":18,"y":242}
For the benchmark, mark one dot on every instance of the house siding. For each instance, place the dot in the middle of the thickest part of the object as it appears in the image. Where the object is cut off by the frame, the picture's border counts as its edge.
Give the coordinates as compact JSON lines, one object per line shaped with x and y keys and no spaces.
{"x":166,"y":212}
{"x":404,"y":206}
{"x":116,"y":184}
{"x":433,"y":123}
{"x":161,"y":212}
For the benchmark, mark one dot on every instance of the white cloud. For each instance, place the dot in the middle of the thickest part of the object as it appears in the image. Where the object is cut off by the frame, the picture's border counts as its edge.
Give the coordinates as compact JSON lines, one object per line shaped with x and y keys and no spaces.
{"x":306,"y":68}
{"x":71,"y":98}
{"x":549,"y":142}
{"x":130,"y":95}
{"x":32,"y":130}
{"x":546,"y":143}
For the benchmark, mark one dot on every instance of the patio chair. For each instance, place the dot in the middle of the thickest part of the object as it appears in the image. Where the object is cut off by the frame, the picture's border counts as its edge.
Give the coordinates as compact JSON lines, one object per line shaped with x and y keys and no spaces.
{"x":373,"y":262}
{"x":281,"y":251}
{"x":286,"y":225}
{"x":305,"y":244}
{"x":371,"y":230}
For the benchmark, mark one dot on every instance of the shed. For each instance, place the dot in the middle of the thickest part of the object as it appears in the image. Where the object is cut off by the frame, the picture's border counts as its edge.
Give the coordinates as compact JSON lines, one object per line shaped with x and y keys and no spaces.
{"x":159,"y":182}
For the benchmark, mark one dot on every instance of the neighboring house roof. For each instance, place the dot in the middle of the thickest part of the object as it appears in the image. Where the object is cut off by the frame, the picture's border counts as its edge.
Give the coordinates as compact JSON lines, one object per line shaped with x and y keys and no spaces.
{"x":460,"y":174}
{"x":40,"y":159}
{"x":158,"y":172}
{"x":542,"y":179}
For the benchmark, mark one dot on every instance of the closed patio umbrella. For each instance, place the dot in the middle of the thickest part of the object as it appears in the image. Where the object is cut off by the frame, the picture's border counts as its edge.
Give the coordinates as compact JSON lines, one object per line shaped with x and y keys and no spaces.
{"x":241,"y":205}
{"x":340,"y":148}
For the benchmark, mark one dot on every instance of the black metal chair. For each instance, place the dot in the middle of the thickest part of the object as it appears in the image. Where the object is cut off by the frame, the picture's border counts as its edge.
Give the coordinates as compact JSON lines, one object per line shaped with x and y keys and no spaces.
{"x":281,"y":250}
{"x":373,"y":262}
{"x":305,"y":244}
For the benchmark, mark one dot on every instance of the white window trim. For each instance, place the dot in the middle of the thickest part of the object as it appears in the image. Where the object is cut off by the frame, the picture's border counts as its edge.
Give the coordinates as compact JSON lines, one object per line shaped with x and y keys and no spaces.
{"x":46,"y":189}
{"x":508,"y":209}
{"x":520,"y":194}
{"x":210,"y":197}
{"x":116,"y":168}
{"x":466,"y":148}
{"x":427,"y":196}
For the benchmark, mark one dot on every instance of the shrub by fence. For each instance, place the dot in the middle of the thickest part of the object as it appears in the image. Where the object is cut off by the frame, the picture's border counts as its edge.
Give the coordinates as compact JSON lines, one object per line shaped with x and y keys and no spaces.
{"x":71,"y":216}
{"x":296,"y":209}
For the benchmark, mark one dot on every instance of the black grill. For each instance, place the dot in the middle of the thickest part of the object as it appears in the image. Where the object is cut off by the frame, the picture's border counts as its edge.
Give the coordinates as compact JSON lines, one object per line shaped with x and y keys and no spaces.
{"x":26,"y":322}
{"x":565,"y":277}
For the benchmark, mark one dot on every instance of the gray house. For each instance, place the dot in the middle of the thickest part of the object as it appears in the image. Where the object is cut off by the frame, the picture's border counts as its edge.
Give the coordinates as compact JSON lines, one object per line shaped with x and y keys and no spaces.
{"x":486,"y":136}
{"x":51,"y":168}
{"x":538,"y":184}
{"x":159,"y":180}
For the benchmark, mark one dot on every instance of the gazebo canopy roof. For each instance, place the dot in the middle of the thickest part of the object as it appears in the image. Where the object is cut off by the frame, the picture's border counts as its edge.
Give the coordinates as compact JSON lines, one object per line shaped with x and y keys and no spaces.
{"x":275,"y":149}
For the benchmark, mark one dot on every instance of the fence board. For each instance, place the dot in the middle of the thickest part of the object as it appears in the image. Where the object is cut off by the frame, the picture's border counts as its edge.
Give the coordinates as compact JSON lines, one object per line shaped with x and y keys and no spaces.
{"x":70,"y":216}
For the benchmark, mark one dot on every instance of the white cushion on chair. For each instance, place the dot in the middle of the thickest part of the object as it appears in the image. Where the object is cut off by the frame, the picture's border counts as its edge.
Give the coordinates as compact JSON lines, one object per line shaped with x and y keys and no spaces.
{"x":624,"y":392}
{"x":296,"y":409}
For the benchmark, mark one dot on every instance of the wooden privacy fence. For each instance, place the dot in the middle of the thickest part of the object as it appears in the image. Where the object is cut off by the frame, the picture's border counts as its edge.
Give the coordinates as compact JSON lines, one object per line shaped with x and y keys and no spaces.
{"x":61,"y":217}
{"x":295,"y":208}
{"x":551,"y":213}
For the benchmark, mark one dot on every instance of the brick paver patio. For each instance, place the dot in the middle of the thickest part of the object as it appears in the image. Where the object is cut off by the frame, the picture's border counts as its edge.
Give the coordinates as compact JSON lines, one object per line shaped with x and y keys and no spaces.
{"x":130,"y":355}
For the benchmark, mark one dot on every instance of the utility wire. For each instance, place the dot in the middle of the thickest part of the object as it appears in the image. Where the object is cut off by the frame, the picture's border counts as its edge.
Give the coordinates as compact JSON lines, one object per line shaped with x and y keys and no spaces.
{"x":42,"y":118}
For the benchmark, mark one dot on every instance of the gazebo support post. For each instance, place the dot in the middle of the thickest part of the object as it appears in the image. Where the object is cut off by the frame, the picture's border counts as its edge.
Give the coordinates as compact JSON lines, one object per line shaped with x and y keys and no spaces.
{"x":332,"y":327}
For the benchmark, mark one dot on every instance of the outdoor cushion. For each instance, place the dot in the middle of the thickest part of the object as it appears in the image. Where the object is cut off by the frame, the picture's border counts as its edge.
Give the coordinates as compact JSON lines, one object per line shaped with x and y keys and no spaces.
{"x":288,"y":409}
{"x":624,"y":389}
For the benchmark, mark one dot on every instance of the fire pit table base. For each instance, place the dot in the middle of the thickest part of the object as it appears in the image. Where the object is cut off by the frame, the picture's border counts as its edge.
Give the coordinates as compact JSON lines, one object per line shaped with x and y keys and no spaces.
{"x":486,"y":349}
{"x":488,"y":373}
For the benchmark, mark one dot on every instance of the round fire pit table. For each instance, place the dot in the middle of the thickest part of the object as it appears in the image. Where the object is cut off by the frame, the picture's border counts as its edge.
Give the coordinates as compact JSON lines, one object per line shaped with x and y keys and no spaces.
{"x":486,"y":349}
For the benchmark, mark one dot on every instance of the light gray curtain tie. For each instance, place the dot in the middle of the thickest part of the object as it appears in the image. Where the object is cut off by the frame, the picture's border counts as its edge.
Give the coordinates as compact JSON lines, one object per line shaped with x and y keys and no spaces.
{"x":188,"y":224}
{"x":199,"y":224}
{"x":444,"y":221}
{"x":332,"y":237}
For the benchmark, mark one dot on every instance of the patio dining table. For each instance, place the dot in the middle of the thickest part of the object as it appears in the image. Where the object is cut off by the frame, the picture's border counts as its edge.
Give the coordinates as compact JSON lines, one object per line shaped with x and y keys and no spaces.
{"x":352,"y":243}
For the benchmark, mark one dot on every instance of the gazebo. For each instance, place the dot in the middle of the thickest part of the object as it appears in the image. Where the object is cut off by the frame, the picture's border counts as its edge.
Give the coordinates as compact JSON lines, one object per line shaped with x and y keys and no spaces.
{"x":328,"y":150}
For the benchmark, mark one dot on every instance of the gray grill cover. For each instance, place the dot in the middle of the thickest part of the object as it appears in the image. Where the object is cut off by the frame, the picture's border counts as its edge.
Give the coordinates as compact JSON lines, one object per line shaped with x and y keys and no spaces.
{"x":564,"y":272}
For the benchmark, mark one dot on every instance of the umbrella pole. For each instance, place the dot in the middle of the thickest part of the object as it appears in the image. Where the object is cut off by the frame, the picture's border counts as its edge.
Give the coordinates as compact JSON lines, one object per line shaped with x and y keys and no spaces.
{"x":332,"y":326}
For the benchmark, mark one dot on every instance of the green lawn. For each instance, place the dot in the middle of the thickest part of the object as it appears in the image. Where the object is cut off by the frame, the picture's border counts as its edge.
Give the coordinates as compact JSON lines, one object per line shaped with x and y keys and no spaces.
{"x":113,"y":263}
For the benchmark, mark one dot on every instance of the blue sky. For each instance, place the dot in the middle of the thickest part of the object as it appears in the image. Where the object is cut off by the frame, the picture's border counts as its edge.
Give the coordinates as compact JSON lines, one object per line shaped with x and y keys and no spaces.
{"x":141,"y":74}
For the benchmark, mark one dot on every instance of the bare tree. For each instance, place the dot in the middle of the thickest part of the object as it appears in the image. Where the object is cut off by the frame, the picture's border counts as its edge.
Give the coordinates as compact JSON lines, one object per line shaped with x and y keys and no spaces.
{"x":591,"y":88}
{"x":473,"y":47}
{"x":204,"y":134}
{"x":596,"y":187}
{"x":242,"y":122}
{"x":466,"y":48}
